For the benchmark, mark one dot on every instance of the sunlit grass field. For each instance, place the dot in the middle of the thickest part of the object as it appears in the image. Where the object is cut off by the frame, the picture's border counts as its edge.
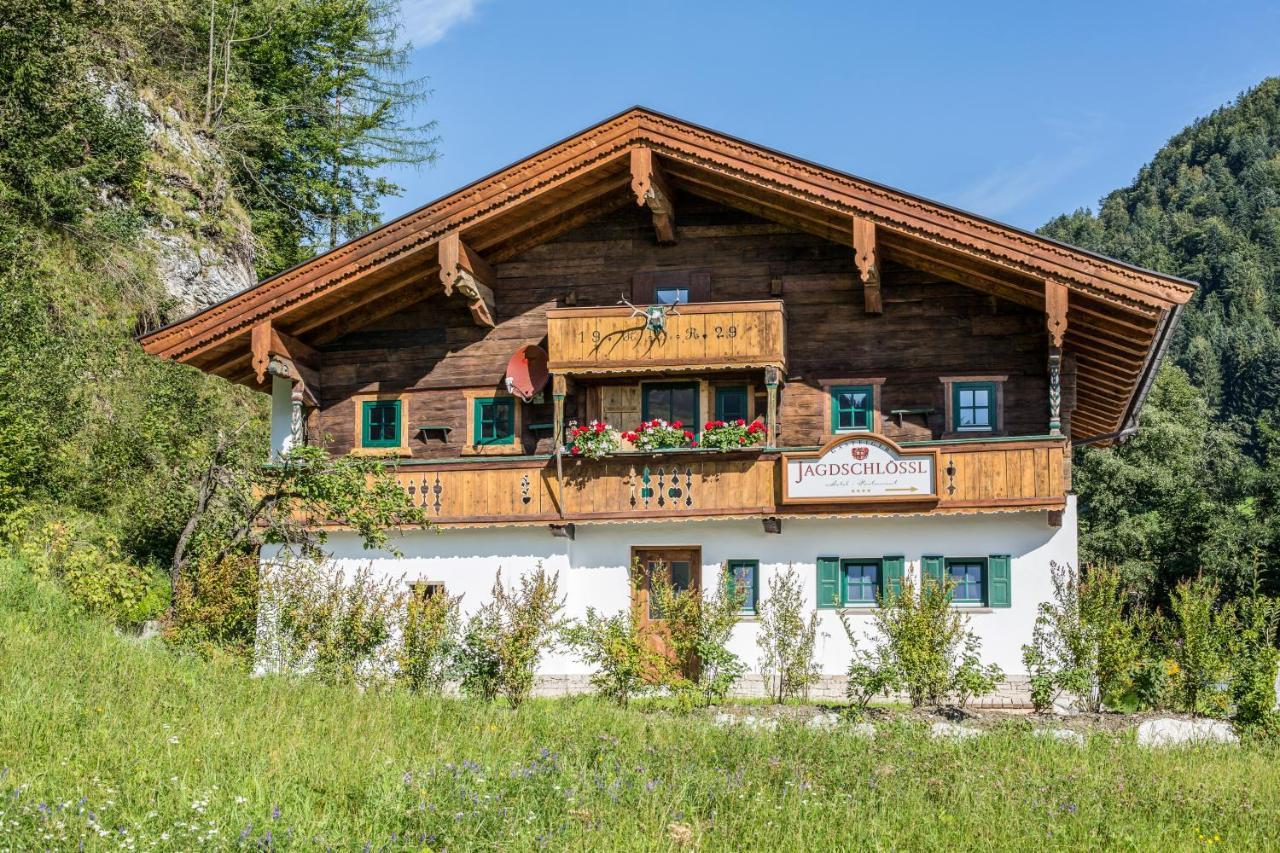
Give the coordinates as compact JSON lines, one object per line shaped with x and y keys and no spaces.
{"x":116,"y":744}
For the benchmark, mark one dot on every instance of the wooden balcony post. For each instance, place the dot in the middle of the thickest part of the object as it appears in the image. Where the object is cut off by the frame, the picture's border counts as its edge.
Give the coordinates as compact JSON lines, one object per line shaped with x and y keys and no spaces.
{"x":1055,"y":314}
{"x":771,"y":417}
{"x":559,"y":390}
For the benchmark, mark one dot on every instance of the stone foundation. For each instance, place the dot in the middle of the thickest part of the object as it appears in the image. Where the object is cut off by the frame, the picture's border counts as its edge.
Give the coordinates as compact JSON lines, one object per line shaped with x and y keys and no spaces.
{"x":1013,"y":693}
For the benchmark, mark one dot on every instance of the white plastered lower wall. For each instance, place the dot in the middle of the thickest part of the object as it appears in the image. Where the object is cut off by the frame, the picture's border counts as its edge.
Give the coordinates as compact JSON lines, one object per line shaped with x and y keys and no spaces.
{"x":593,"y":569}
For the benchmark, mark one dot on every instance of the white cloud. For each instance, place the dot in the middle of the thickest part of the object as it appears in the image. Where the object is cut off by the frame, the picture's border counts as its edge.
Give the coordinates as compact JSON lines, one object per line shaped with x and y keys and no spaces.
{"x":1009,"y":187}
{"x":427,"y":21}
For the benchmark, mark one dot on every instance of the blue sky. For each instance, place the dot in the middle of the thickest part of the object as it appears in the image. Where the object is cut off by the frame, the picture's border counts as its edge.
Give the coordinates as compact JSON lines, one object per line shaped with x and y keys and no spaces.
{"x":1018,"y":111}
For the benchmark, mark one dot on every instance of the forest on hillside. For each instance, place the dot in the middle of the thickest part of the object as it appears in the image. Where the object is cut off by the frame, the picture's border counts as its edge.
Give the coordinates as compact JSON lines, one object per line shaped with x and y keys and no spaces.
{"x":277,"y":117}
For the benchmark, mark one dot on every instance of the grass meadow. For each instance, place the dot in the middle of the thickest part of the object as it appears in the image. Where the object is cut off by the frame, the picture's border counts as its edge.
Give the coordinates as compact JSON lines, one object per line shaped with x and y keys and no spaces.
{"x":109,"y":743}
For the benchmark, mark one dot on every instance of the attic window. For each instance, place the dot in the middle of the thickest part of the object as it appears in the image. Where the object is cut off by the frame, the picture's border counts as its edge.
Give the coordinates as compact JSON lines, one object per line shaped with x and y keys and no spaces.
{"x":671,"y":295}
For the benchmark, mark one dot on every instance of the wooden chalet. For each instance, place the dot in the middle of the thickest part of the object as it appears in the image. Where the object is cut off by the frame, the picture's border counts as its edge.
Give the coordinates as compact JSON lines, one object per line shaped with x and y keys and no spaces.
{"x":795,"y":284}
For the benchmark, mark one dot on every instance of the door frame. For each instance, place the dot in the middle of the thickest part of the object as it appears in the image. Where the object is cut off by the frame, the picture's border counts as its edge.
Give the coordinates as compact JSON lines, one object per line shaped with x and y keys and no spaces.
{"x":639,"y":592}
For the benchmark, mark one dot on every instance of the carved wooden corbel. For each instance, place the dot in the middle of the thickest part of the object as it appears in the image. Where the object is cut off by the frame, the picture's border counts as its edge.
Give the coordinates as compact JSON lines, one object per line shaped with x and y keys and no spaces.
{"x":463,"y":270}
{"x":278,"y":354}
{"x":867,"y":260}
{"x":1056,"y":298}
{"x":652,"y":190}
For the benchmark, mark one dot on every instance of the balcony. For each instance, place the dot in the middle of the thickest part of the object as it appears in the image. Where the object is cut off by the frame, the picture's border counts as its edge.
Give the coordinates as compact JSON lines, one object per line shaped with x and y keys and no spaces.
{"x":971,"y":476}
{"x":698,"y":337}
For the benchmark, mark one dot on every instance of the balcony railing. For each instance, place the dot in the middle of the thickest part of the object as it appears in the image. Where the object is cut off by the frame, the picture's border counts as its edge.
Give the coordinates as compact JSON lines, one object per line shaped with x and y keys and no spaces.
{"x":697,"y":337}
{"x":972,"y":476}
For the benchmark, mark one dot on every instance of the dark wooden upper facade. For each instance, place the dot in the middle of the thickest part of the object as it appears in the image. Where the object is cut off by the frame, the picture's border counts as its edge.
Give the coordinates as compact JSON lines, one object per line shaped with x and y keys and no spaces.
{"x":824,"y":280}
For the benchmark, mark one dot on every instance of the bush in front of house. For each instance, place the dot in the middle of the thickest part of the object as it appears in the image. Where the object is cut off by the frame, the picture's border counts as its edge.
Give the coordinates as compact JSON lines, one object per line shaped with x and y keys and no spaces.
{"x":922,"y":646}
{"x":787,"y":639}
{"x":1083,"y":643}
{"x":505,"y":638}
{"x":626,"y":660}
{"x":428,"y":653}
{"x":698,"y":623}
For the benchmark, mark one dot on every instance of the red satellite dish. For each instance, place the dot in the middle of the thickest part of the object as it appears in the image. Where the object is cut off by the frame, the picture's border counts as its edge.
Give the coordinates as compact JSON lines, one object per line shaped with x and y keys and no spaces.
{"x":527,"y":372}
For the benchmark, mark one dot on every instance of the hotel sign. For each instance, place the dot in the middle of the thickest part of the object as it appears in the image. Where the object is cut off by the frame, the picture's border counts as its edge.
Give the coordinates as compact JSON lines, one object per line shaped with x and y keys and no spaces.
{"x":859,"y":468}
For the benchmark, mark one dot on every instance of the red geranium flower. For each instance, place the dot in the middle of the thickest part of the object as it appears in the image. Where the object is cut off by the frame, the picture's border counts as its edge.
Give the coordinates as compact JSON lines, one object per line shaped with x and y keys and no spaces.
{"x":688,"y":434}
{"x":574,"y":450}
{"x":676,"y":424}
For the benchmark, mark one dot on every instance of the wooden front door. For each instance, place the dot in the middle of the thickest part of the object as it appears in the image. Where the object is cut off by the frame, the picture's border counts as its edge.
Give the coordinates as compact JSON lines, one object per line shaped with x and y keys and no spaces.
{"x":682,"y":568}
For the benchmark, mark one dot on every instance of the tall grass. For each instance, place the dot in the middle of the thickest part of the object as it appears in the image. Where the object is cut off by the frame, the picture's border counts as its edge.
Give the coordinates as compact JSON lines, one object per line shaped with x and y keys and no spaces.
{"x":115,"y":743}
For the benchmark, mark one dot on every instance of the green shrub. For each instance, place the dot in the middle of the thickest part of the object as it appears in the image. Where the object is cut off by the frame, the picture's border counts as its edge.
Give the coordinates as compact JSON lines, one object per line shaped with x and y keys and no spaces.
{"x":1254,"y":660}
{"x":1199,"y":632}
{"x":928,"y":645}
{"x":318,"y":624}
{"x":505,"y":638}
{"x":786,"y":639}
{"x":698,"y":623}
{"x":1082,"y":644}
{"x":215,"y":608}
{"x":429,"y":642}
{"x":622,"y":651}
{"x":871,"y":670}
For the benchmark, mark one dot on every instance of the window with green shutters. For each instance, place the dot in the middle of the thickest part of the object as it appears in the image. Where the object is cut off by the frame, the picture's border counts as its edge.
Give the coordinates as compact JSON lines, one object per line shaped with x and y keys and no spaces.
{"x":852,"y":407}
{"x":494,"y":420}
{"x":380,"y":423}
{"x":973,"y":406}
{"x":743,"y":580}
{"x":858,"y":581}
{"x":983,"y":581}
{"x":731,"y":403}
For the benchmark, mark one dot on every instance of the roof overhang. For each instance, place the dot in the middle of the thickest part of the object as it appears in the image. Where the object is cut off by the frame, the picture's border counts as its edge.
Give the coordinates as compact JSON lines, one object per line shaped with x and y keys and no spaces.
{"x":1120,"y":316}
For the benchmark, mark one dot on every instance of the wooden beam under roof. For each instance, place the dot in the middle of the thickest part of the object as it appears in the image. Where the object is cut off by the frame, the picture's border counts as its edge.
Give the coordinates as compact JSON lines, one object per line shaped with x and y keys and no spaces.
{"x":652,"y":190}
{"x":867,"y":259}
{"x":464,"y":271}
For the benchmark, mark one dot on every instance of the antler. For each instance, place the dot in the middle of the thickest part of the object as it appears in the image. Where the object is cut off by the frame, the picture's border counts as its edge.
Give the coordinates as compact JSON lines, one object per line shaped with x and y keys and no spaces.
{"x":635,"y":312}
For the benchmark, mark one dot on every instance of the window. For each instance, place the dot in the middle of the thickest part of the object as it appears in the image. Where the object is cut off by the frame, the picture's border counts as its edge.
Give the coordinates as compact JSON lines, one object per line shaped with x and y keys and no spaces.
{"x":743,"y":578}
{"x":494,"y":420}
{"x":671,"y":401}
{"x":967,"y":575}
{"x":852,"y":407}
{"x":858,"y":581}
{"x":982,"y":581}
{"x":973,"y":406}
{"x":380,"y":423}
{"x":671,"y":295}
{"x":679,"y":574}
{"x":731,"y":403}
{"x":861,"y":581}
{"x":424,"y":591}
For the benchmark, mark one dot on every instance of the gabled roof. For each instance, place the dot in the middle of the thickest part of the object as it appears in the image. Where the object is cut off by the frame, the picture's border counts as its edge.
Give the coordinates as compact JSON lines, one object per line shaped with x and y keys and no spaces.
{"x":1120,"y":315}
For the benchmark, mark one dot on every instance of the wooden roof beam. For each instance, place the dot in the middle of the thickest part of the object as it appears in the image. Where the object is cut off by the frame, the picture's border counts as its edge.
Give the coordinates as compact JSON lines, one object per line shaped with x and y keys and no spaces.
{"x":463,"y":270}
{"x":867,"y":259}
{"x":649,"y":183}
{"x":275,"y":353}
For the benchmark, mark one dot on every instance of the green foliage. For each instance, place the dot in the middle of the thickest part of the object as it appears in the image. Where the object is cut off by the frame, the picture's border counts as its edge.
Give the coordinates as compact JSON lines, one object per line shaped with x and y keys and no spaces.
{"x":1254,"y":661}
{"x":318,"y":623}
{"x":215,"y":608}
{"x":1195,"y":490}
{"x":504,"y":639}
{"x":75,"y":549}
{"x":1083,"y":643}
{"x":697,"y":624}
{"x":142,"y":734}
{"x":923,"y":645}
{"x":426,"y":657}
{"x":871,"y":670}
{"x":786,"y":639}
{"x":1200,"y":629}
{"x":621,"y":650}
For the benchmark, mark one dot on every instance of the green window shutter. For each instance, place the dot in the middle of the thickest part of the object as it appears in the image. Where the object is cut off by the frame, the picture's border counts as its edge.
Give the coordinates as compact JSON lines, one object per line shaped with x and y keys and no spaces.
{"x":934,"y":569}
{"x":828,"y":582}
{"x":493,"y":420}
{"x":999,"y":581}
{"x":891,"y":572}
